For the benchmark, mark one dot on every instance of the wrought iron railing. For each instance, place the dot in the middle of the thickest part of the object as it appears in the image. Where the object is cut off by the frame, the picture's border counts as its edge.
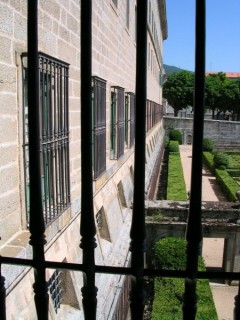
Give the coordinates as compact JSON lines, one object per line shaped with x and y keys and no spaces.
{"x":136,"y":271}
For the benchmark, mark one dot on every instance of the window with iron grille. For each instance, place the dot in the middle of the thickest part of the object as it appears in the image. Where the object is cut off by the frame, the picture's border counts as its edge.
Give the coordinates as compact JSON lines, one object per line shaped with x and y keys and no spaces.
{"x":55,"y":287}
{"x":54,"y":135}
{"x":99,"y":126}
{"x":117,"y":123}
{"x":129,"y":118}
{"x":154,"y":113}
{"x":148,"y":115}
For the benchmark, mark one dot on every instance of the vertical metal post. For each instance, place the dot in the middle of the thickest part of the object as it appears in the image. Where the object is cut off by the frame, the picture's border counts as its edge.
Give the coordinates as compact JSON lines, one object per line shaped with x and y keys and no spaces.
{"x":194,"y":228}
{"x":87,"y":229}
{"x":236,"y":311}
{"x":137,"y":233}
{"x":37,"y":227}
{"x":2,"y":295}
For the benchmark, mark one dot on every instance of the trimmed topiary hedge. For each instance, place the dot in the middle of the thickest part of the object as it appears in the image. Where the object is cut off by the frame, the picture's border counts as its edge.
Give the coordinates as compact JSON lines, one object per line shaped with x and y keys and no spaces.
{"x":170,"y":253}
{"x":228,"y":185}
{"x":173,"y":146}
{"x":208,"y":159}
{"x":221,"y":160}
{"x":208,"y":144}
{"x":234,"y":173}
{"x":176,"y":136}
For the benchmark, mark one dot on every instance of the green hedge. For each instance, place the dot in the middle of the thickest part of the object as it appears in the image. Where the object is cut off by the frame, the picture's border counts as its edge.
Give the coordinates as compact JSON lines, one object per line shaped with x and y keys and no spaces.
{"x":173,"y":146}
{"x":175,"y":135}
{"x":234,"y":172}
{"x":170,"y":253}
{"x":208,"y":159}
{"x":176,"y":188}
{"x":208,"y":144}
{"x":221,"y":160}
{"x":228,"y":185}
{"x":234,"y":160}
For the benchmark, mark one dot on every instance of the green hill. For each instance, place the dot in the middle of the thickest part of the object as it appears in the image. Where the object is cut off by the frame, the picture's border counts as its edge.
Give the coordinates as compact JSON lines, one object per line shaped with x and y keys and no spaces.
{"x":171,"y":69}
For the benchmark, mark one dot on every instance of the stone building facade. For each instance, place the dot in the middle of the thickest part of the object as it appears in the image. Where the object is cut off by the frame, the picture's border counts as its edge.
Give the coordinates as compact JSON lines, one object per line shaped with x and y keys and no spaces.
{"x":113,"y":69}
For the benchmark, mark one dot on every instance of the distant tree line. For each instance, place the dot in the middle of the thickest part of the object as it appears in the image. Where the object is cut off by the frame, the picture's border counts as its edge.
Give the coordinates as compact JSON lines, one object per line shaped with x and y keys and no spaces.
{"x":222,"y":95}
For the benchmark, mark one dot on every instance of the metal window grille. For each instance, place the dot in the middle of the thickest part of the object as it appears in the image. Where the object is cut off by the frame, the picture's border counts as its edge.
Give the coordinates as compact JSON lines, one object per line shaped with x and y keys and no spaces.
{"x":87,"y":230}
{"x":56,"y":289}
{"x":148,"y":115}
{"x":126,"y":119}
{"x":129,"y":118}
{"x":99,"y":126}
{"x":54,"y":135}
{"x":154,"y":114}
{"x":117,"y":122}
{"x":132,"y":119}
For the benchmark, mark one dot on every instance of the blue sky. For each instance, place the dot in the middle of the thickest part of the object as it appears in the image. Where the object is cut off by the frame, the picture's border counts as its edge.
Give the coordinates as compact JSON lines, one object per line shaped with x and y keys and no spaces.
{"x":223,"y":35}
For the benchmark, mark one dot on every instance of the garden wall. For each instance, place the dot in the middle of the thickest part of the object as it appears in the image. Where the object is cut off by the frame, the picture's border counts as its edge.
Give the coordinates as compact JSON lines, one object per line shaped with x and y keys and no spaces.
{"x":225,"y":134}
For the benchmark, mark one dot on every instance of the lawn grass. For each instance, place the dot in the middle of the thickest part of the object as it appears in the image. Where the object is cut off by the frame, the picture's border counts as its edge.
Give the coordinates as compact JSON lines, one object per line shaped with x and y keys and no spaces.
{"x":170,"y":253}
{"x":176,"y":188}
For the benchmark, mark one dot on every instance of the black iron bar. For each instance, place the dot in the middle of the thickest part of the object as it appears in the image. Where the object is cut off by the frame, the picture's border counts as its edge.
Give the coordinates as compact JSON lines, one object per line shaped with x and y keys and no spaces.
{"x":194,"y":228}
{"x":50,"y":139}
{"x":137,"y":233}
{"x":221,"y":275}
{"x":56,"y":148}
{"x":2,"y":294}
{"x":236,"y":310}
{"x":67,"y":139}
{"x":53,"y":159}
{"x":87,"y":228}
{"x":45,"y":111}
{"x":61,"y":187}
{"x":36,"y":225}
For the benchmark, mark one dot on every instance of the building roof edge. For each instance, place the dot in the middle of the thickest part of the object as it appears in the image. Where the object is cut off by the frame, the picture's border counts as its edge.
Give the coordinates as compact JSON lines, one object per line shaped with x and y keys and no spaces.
{"x":163,"y":18}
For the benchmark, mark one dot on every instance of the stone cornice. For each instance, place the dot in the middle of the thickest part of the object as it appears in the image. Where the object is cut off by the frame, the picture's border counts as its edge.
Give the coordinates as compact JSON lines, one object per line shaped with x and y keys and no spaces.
{"x":163,"y":18}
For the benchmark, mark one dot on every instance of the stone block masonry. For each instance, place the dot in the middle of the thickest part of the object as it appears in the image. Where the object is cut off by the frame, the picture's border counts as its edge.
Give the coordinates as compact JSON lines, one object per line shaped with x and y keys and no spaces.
{"x":225,"y":134}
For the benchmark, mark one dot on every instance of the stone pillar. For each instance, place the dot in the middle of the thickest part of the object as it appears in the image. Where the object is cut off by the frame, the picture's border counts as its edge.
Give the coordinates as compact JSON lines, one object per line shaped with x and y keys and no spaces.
{"x":236,"y":257}
{"x":231,"y":255}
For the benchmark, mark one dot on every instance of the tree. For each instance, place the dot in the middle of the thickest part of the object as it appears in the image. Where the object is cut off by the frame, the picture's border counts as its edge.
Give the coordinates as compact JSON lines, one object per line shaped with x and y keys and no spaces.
{"x":178,"y":90}
{"x":213,"y":89}
{"x":222,"y":95}
{"x":231,"y":97}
